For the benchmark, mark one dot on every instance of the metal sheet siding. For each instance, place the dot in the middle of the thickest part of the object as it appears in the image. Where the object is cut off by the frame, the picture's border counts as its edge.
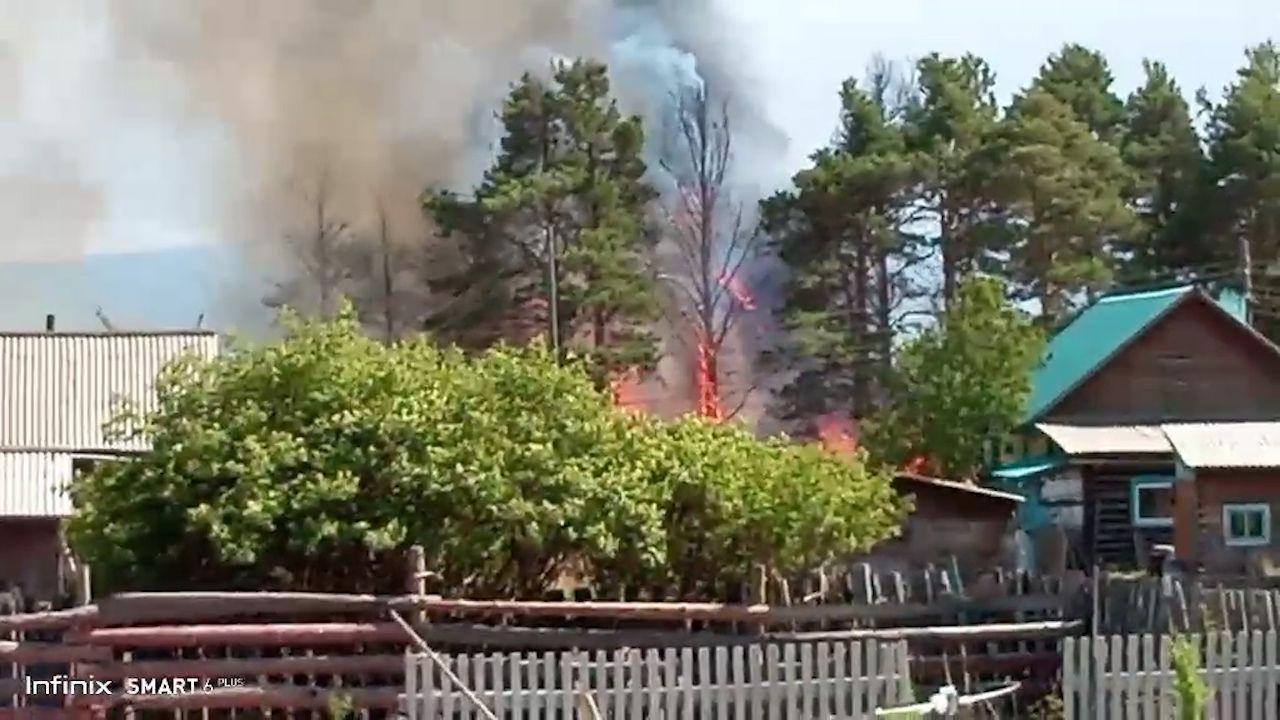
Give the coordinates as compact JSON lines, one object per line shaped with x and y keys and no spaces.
{"x":33,"y":484}
{"x":1106,"y":439}
{"x":59,"y":390}
{"x":1226,"y":445}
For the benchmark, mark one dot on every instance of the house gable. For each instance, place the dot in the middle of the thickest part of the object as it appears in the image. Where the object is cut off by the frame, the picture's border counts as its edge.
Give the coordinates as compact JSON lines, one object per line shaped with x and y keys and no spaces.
{"x":1086,"y":343}
{"x":1195,"y":362}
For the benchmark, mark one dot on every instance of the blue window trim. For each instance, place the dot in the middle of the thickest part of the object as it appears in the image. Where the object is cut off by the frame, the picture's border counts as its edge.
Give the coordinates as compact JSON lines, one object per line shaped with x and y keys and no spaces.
{"x":1136,"y":484}
{"x":1228,"y":509}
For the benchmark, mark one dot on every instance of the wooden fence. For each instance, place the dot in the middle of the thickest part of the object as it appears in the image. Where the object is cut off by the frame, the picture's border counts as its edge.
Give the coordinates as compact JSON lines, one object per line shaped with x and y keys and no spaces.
{"x":1185,"y":604}
{"x":792,"y":680}
{"x":1109,"y":678}
{"x":299,"y":651}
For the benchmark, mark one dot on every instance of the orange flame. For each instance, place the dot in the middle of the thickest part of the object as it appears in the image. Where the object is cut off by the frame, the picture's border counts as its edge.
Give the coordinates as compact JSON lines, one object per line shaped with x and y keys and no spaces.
{"x":837,"y":433}
{"x":708,"y":380}
{"x":920,"y":465}
{"x":627,"y":391}
{"x":738,"y":290}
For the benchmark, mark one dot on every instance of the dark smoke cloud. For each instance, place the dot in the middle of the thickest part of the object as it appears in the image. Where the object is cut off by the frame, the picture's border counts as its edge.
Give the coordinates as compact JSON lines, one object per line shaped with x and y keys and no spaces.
{"x":134,"y":124}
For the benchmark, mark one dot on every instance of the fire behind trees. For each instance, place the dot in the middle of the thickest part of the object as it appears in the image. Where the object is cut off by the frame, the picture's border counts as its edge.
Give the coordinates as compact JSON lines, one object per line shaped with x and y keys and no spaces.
{"x":1063,"y":192}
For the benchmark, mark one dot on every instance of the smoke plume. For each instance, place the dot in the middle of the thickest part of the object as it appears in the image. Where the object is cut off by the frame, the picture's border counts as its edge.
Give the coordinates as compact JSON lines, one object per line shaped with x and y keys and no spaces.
{"x":140,"y":124}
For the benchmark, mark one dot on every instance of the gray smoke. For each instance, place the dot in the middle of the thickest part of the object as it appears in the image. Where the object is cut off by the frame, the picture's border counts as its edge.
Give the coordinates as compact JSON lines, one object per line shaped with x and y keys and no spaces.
{"x":136,"y":124}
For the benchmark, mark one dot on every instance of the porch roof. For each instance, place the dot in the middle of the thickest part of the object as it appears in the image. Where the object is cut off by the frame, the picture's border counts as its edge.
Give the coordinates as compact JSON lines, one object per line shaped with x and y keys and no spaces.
{"x":1225,"y":445}
{"x":1107,"y":439}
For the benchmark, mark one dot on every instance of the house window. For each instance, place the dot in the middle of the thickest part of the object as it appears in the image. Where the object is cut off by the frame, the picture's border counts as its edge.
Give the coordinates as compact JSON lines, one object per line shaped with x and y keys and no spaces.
{"x":1246,"y":524}
{"x":1151,"y":501}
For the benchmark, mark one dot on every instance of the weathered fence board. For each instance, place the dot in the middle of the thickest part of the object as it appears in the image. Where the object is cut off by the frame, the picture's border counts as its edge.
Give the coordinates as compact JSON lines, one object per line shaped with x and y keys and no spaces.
{"x":1187,"y":604}
{"x":844,"y":679}
{"x":1114,"y":677}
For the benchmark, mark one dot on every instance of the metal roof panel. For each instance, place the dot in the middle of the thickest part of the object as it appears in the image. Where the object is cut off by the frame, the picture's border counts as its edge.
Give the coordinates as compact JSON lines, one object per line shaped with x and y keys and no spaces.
{"x":58,"y":391}
{"x":1107,"y":439}
{"x":34,"y":484}
{"x":1226,"y":444}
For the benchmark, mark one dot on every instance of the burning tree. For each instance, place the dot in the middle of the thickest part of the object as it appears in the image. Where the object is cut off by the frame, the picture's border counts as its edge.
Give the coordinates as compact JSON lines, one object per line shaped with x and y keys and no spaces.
{"x":321,"y":249}
{"x":713,"y":239}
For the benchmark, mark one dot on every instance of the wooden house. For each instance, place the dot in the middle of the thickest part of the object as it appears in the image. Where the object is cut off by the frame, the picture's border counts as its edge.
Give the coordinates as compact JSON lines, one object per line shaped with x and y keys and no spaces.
{"x":1227,"y":496}
{"x":1091,"y":456}
{"x":57,"y":391}
{"x":970,"y":523}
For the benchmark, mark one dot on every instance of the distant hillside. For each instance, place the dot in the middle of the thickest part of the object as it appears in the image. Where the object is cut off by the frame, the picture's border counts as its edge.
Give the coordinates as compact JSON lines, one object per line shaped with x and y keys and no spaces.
{"x":157,"y":290}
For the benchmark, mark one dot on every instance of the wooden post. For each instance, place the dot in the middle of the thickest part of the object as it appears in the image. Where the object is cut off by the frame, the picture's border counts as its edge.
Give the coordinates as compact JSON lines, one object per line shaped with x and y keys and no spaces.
{"x":84,"y":586}
{"x":416,"y":584}
{"x":760,"y":592}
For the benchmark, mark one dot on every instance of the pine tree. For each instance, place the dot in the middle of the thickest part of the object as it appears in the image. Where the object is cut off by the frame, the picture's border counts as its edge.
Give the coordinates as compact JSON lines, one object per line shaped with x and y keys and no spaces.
{"x":841,"y":233}
{"x":1081,"y":79}
{"x":1242,"y":188}
{"x":1161,"y":147}
{"x":1061,"y":189}
{"x":954,"y":117}
{"x":566,"y":191}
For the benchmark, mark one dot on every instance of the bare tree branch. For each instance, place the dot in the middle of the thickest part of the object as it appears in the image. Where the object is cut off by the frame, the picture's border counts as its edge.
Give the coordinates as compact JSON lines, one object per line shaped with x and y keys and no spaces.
{"x":319,"y":249}
{"x":713,"y":237}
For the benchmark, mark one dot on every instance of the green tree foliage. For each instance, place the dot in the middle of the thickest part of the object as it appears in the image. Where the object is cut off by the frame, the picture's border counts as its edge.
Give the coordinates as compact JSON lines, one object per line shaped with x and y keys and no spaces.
{"x":1160,"y":146}
{"x":568,"y":184}
{"x":953,"y":120}
{"x":313,"y":462}
{"x":958,"y":383}
{"x":1061,"y":190}
{"x":842,"y":232}
{"x":1242,"y":189}
{"x":1081,"y":79}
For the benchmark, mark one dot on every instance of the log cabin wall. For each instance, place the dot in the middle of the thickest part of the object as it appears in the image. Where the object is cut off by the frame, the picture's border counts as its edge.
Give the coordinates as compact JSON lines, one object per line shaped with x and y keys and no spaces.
{"x":1111,"y":537}
{"x":1216,"y":488}
{"x":1192,"y":365}
{"x":974,"y":528}
{"x":30,"y":556}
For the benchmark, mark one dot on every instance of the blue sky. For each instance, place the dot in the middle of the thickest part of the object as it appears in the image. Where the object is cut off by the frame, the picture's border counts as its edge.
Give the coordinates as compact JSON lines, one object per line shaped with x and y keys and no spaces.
{"x":795,"y":55}
{"x":799,"y":58}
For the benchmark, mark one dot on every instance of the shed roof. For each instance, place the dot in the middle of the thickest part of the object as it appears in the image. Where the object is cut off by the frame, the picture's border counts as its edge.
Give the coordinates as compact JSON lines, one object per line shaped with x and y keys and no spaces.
{"x":1226,"y":445}
{"x":959,"y":487}
{"x":1100,"y":332}
{"x":58,"y":390}
{"x":34,"y":484}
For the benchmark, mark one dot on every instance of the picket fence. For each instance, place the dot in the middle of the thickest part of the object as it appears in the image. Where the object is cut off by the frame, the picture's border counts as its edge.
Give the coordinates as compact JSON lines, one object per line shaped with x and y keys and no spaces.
{"x":1132,"y":677}
{"x":761,"y":682}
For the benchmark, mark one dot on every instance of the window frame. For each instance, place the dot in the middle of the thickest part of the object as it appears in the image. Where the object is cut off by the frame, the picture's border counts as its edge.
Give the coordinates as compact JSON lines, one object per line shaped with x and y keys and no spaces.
{"x":1136,"y":486}
{"x":1229,"y":508}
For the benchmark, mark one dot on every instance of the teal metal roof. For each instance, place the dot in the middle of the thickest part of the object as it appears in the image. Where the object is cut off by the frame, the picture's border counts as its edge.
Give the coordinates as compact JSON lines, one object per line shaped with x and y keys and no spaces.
{"x":1028,"y":467}
{"x":1234,"y":303}
{"x":1091,"y":339}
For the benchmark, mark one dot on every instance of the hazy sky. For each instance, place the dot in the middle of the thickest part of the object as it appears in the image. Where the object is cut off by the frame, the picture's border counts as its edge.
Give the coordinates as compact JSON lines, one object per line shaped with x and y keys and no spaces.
{"x":800,"y":57}
{"x":100,"y":155}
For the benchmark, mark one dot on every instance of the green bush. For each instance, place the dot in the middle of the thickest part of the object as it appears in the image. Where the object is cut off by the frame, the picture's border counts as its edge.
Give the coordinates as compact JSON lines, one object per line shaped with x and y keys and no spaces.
{"x":1188,"y":686}
{"x":313,"y":462}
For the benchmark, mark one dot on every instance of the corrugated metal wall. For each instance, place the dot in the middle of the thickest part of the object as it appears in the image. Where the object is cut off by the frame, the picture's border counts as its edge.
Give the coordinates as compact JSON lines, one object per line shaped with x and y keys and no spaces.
{"x":58,"y":391}
{"x":33,"y":484}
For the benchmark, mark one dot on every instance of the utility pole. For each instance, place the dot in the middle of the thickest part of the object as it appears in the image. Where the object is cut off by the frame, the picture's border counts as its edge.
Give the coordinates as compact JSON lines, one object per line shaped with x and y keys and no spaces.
{"x":554,"y":282}
{"x":549,"y":233}
{"x":1246,"y":272}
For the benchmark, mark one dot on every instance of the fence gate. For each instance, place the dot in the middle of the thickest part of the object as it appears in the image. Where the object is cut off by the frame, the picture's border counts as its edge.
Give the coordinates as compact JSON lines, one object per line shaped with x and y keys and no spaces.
{"x":1132,"y":677}
{"x":759,"y":682}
